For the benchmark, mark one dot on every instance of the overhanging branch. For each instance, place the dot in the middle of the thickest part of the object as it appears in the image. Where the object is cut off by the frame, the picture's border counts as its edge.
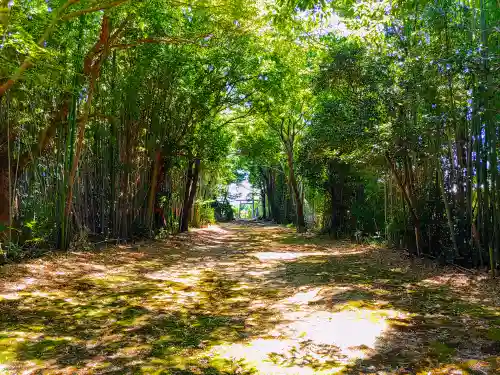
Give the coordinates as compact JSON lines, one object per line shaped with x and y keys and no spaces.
{"x":92,"y":9}
{"x":164,"y":40}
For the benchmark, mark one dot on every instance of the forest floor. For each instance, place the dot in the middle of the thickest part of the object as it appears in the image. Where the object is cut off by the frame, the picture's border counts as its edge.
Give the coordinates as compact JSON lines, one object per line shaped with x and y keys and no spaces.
{"x":245,"y":298}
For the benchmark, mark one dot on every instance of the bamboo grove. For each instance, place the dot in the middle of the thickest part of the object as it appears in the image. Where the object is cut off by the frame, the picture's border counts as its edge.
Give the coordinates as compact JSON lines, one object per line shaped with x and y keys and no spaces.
{"x":109,"y":110}
{"x":363,"y":119}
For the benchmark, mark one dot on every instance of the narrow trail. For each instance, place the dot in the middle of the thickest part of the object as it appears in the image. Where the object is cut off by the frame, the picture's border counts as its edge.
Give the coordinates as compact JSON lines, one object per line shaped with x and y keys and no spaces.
{"x":245,"y":298}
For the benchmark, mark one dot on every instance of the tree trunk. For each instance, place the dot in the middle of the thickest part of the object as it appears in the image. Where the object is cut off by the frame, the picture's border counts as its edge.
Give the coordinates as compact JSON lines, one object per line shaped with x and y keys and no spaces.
{"x":153,"y":189}
{"x":270,"y":183}
{"x":334,"y":213}
{"x":183,"y":225}
{"x":448,"y":212}
{"x":301,"y":224}
{"x":409,"y":201}
{"x":263,"y":197}
{"x":191,"y":186}
{"x":44,"y":138}
{"x":5,"y":202}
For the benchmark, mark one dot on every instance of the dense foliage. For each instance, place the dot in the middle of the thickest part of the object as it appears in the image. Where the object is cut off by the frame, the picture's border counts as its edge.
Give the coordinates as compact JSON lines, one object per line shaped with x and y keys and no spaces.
{"x":366,"y":118}
{"x":105,"y":106}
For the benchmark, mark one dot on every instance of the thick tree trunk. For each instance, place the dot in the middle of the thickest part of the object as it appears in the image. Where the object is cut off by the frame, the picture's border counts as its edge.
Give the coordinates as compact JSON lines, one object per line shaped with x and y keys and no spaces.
{"x":194,"y":185}
{"x":153,"y":188}
{"x":271,"y":198}
{"x":270,"y":184}
{"x":334,"y":220}
{"x":183,"y":223}
{"x":191,"y":186}
{"x":263,"y":197}
{"x":301,"y":223}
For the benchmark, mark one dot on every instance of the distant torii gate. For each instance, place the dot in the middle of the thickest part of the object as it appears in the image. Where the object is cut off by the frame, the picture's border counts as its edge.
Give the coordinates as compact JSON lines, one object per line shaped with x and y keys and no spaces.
{"x":247,"y":201}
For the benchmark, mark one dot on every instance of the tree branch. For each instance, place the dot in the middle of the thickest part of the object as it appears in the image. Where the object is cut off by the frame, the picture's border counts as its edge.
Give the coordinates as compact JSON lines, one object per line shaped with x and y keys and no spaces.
{"x":165,"y":40}
{"x":92,"y":9}
{"x":27,"y":63}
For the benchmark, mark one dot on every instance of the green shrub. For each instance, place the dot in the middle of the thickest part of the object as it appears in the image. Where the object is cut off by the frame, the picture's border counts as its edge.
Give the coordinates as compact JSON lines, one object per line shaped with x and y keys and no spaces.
{"x":223,"y":210}
{"x":207,"y":215}
{"x":204,"y":214}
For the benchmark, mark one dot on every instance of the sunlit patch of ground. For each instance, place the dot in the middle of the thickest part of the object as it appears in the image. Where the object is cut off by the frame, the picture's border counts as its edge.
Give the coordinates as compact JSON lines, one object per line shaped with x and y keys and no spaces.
{"x":245,"y":298}
{"x":270,"y":256}
{"x":312,"y":342}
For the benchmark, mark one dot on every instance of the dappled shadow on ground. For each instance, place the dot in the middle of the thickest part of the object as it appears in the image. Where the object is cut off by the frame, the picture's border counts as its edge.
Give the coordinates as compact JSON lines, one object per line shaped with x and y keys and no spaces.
{"x":245,"y":298}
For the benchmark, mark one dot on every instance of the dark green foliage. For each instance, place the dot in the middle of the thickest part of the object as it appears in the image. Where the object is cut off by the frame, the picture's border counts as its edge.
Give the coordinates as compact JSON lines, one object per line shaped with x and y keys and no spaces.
{"x":403,"y":112}
{"x":223,"y":211}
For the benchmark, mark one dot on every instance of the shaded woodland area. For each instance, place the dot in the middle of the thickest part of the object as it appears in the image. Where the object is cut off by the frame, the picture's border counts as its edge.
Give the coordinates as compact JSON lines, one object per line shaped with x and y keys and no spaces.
{"x":368,"y":132}
{"x":372,"y":119}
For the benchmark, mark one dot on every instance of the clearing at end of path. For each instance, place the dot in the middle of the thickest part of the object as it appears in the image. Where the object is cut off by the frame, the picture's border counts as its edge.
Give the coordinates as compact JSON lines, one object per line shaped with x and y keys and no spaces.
{"x":245,"y":298}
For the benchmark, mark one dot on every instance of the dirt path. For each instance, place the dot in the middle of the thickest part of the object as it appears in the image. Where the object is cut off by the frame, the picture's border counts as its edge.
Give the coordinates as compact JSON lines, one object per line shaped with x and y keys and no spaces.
{"x":245,"y":299}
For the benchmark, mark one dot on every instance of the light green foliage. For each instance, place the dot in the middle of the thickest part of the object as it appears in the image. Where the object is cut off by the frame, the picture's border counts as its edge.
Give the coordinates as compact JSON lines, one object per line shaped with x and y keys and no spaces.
{"x":373,"y":120}
{"x":167,"y":80}
{"x":371,"y":116}
{"x":204,"y":214}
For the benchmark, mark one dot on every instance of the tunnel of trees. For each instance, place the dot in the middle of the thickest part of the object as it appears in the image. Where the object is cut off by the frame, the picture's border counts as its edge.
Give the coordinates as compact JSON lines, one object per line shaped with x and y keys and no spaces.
{"x":129,"y":119}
